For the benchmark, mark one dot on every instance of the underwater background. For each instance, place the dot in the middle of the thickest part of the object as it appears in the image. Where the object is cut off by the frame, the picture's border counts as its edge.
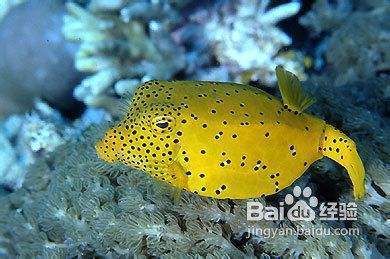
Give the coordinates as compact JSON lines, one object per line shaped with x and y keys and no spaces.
{"x":64,"y":66}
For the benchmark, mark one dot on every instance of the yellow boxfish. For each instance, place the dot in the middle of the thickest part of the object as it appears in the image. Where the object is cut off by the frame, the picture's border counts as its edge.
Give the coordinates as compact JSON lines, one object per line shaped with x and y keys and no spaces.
{"x":226,"y":140}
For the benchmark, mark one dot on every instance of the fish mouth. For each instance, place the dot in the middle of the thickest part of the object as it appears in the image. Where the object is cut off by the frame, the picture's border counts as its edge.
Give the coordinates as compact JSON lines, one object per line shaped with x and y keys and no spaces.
{"x":99,"y":151}
{"x":104,"y":152}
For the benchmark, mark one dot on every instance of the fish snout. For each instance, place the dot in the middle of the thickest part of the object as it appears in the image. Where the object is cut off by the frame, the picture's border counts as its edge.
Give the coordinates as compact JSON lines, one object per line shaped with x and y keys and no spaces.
{"x":105,"y":150}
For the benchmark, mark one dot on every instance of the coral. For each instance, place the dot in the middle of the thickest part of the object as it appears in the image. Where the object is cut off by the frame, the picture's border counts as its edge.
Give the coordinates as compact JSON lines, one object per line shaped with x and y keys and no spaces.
{"x":325,"y":15}
{"x":135,"y":46}
{"x":24,"y":139}
{"x":10,"y":171}
{"x":40,"y":135}
{"x":72,"y":204}
{"x":247,"y":40}
{"x":124,"y":43}
{"x":355,"y":46}
{"x":148,"y":41}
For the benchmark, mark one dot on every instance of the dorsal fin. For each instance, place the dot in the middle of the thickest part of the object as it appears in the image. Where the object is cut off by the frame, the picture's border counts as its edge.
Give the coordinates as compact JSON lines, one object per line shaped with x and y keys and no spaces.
{"x":292,"y":92}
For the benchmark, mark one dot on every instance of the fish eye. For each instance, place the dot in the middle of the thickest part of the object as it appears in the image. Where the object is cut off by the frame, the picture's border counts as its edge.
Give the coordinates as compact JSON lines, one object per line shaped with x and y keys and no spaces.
{"x":163,"y":124}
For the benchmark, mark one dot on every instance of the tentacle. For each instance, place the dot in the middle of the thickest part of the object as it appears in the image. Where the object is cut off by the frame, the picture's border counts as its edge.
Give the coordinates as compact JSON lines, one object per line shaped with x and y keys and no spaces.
{"x":340,"y":148}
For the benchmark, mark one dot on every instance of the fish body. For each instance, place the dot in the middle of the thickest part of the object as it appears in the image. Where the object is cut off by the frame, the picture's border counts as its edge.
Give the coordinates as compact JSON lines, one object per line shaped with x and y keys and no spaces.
{"x":223,"y":140}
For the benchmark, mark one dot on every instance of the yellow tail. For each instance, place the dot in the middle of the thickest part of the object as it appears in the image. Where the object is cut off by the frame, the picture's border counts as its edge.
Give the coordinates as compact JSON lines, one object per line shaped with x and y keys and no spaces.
{"x":340,"y":148}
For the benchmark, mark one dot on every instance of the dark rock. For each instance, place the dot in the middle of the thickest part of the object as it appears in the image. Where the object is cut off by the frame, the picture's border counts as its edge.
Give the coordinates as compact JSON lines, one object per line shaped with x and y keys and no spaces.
{"x":35,"y":59}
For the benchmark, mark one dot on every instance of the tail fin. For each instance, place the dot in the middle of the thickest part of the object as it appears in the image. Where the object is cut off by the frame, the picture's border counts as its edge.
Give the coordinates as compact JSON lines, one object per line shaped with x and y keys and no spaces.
{"x":337,"y":146}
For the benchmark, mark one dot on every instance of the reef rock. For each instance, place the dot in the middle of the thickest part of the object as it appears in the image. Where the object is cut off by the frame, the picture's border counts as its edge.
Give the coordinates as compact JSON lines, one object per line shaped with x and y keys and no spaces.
{"x":35,"y":60}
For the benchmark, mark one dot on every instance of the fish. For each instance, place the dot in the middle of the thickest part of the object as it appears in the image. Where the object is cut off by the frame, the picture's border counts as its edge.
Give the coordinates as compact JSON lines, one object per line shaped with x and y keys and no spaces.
{"x":226,"y":140}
